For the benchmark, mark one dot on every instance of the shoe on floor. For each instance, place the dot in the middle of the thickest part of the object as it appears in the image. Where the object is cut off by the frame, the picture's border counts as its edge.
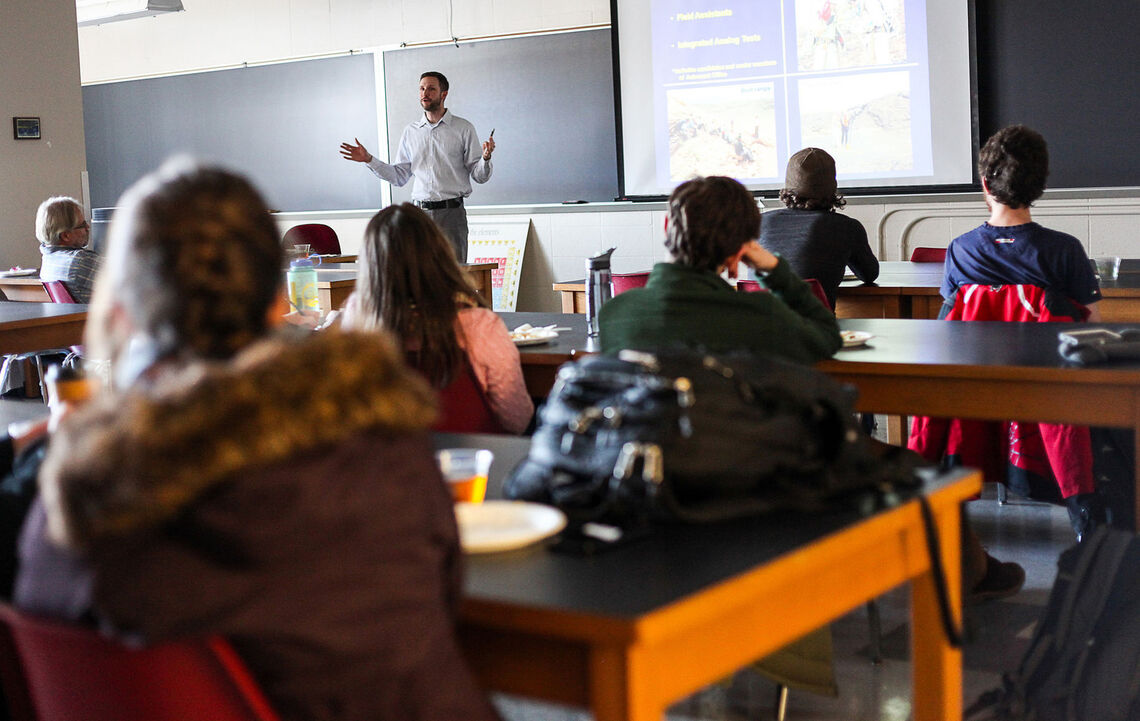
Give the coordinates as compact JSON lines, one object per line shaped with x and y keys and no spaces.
{"x":1002,"y":579}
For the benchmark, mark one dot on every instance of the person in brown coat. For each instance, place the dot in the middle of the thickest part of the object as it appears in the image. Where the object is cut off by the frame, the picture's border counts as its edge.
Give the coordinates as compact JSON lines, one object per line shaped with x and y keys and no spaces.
{"x":277,"y":489}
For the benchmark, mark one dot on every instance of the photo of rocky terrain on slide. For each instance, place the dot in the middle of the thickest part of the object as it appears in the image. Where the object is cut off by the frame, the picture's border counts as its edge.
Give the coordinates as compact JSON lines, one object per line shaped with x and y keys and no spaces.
{"x":722,"y":130}
{"x":849,"y":33}
{"x":862,"y":120}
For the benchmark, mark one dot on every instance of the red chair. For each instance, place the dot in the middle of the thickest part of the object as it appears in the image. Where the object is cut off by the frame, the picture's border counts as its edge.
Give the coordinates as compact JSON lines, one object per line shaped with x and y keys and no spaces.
{"x":58,"y":292}
{"x":818,"y":292}
{"x":928,"y":255}
{"x":320,"y":237}
{"x":1058,"y":452}
{"x":463,"y":408}
{"x":621,"y":282}
{"x":55,"y":671}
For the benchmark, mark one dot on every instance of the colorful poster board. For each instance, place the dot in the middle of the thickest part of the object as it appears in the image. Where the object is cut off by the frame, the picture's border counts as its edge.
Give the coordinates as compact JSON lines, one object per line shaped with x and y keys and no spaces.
{"x":503,"y":242}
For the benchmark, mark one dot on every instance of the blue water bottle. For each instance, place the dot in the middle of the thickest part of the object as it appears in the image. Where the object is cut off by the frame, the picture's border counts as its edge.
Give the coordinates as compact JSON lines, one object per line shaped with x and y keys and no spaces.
{"x":302,"y":282}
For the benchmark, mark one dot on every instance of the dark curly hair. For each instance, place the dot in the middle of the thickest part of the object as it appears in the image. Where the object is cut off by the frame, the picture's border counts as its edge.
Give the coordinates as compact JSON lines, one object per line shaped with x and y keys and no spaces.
{"x":194,"y":259}
{"x":709,"y":219}
{"x":791,"y":200}
{"x":1014,"y":163}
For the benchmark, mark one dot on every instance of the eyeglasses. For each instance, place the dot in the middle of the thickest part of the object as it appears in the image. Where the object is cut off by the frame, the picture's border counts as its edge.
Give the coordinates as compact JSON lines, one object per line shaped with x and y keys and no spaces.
{"x":82,"y":226}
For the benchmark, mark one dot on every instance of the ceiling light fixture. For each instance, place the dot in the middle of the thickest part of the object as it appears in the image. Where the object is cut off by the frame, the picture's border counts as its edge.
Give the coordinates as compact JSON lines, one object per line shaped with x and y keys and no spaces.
{"x":97,"y":12}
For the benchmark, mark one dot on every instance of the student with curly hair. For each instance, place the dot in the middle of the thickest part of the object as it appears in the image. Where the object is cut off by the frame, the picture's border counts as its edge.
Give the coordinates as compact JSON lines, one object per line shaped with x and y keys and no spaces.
{"x":817,"y":241}
{"x":277,"y":489}
{"x":711,"y":228}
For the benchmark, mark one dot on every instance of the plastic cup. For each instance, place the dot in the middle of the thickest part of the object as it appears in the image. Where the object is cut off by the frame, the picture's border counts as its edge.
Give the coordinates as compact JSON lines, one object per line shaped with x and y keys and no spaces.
{"x":465,"y":470}
{"x":1108,"y":268}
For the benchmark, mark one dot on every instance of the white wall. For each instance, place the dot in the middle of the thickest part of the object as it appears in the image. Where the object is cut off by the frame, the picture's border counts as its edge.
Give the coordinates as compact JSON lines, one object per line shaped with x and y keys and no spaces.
{"x":219,"y":33}
{"x":216,"y":33}
{"x":39,"y":76}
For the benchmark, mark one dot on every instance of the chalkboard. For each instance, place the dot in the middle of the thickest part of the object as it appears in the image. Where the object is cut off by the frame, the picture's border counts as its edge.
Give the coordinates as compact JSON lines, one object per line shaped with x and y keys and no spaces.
{"x":280,"y":124}
{"x":549,"y":99}
{"x":1067,"y":70}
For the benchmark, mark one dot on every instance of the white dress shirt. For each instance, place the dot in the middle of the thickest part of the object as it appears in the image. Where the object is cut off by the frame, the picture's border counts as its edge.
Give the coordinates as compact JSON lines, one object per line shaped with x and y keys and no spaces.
{"x":443,"y":159}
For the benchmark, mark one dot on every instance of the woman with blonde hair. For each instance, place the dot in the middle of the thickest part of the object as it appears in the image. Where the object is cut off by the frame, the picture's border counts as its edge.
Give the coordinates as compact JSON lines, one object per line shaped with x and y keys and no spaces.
{"x":411,"y":285}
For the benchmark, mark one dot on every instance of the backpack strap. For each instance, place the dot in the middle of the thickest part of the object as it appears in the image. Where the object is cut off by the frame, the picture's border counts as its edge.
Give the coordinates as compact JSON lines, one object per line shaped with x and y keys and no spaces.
{"x":953,"y":632}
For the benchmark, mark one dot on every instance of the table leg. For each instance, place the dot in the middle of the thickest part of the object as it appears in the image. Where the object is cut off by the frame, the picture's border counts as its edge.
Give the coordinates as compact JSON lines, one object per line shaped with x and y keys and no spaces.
{"x":622,"y":686}
{"x":897,"y":430}
{"x":937,"y":666}
{"x":1136,"y":459}
{"x":567,"y":301}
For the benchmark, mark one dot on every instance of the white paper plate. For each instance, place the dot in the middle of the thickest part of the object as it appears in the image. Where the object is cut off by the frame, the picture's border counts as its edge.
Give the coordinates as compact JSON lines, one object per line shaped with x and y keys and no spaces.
{"x":855,"y":338}
{"x":504,"y":525}
{"x":534,"y":337}
{"x":19,"y":272}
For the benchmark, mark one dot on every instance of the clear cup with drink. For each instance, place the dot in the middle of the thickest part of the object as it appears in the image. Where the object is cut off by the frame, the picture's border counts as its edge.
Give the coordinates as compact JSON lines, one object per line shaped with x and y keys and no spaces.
{"x":465,"y":470}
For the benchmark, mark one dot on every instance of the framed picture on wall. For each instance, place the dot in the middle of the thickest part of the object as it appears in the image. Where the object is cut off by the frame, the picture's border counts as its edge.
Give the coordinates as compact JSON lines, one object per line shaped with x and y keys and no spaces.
{"x":26,"y":128}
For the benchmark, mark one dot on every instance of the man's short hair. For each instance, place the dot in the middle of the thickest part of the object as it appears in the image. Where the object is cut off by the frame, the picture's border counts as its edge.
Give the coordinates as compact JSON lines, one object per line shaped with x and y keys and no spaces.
{"x":1014,"y":162}
{"x":709,"y":219}
{"x":443,"y":84}
{"x":55,"y":217}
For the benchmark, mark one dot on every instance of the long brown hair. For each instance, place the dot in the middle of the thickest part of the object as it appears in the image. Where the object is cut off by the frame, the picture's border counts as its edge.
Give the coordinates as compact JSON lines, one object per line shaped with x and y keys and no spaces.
{"x":411,"y":285}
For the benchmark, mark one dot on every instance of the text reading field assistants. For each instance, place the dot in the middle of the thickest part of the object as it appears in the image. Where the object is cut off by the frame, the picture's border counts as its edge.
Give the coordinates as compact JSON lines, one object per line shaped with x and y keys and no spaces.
{"x":442,"y":153}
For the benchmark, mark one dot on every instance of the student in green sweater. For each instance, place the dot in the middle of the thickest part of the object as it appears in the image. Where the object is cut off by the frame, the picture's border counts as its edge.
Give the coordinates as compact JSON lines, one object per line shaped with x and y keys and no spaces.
{"x":712,"y":227}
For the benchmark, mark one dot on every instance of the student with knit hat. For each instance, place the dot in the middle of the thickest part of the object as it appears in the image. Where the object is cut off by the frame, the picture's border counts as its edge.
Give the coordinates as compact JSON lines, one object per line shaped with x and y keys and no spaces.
{"x":816,"y":241}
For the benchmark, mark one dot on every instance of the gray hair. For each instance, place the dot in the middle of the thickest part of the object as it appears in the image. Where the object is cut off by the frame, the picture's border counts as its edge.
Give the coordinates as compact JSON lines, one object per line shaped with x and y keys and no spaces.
{"x":56,"y":216}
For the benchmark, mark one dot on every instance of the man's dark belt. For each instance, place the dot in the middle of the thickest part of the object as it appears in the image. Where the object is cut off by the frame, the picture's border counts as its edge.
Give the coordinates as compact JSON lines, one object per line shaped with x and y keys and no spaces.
{"x":439,"y":204}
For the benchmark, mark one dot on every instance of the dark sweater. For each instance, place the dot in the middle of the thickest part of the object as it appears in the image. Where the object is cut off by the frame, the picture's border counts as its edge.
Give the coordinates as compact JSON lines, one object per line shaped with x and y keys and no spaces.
{"x":820,"y":244}
{"x":680,"y":305}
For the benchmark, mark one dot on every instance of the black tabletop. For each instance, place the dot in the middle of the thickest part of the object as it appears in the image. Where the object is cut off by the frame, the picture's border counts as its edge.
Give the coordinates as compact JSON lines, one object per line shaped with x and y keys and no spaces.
{"x":982,"y":344}
{"x":895,"y":340}
{"x":12,"y":311}
{"x":671,"y":562}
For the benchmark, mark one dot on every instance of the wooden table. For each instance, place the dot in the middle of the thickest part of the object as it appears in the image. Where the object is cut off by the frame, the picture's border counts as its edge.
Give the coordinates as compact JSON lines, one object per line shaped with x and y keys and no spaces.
{"x":984,"y":370}
{"x":632,"y":630}
{"x":24,"y":288}
{"x":335,"y":285}
{"x":910,"y":290}
{"x":26,"y":327}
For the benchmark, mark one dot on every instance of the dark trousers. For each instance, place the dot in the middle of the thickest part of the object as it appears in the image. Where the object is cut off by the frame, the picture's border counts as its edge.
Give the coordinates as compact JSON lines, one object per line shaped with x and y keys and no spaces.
{"x":453,"y":223}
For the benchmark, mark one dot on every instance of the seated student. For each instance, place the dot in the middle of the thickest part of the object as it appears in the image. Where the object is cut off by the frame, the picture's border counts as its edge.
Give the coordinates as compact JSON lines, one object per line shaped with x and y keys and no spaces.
{"x":1011,"y":249}
{"x":279,"y":490}
{"x":711,"y":228}
{"x":817,"y":241}
{"x":63,"y":233}
{"x":411,"y":285}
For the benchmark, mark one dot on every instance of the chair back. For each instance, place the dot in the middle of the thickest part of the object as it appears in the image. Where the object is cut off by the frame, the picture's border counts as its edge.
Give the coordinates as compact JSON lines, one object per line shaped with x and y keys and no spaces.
{"x":60,"y":671}
{"x":321,"y":238}
{"x":1027,"y":303}
{"x":928,"y":255}
{"x":818,"y":292}
{"x":621,"y":282}
{"x":749,"y":286}
{"x":463,"y":407}
{"x":58,"y":292}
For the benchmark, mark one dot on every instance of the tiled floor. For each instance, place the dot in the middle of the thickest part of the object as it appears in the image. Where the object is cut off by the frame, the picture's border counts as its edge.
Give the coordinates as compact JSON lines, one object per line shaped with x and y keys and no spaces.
{"x":997,"y":632}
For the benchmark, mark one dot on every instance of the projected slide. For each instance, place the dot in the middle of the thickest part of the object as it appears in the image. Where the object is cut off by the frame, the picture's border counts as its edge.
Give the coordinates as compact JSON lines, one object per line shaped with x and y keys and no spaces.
{"x":737,"y":86}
